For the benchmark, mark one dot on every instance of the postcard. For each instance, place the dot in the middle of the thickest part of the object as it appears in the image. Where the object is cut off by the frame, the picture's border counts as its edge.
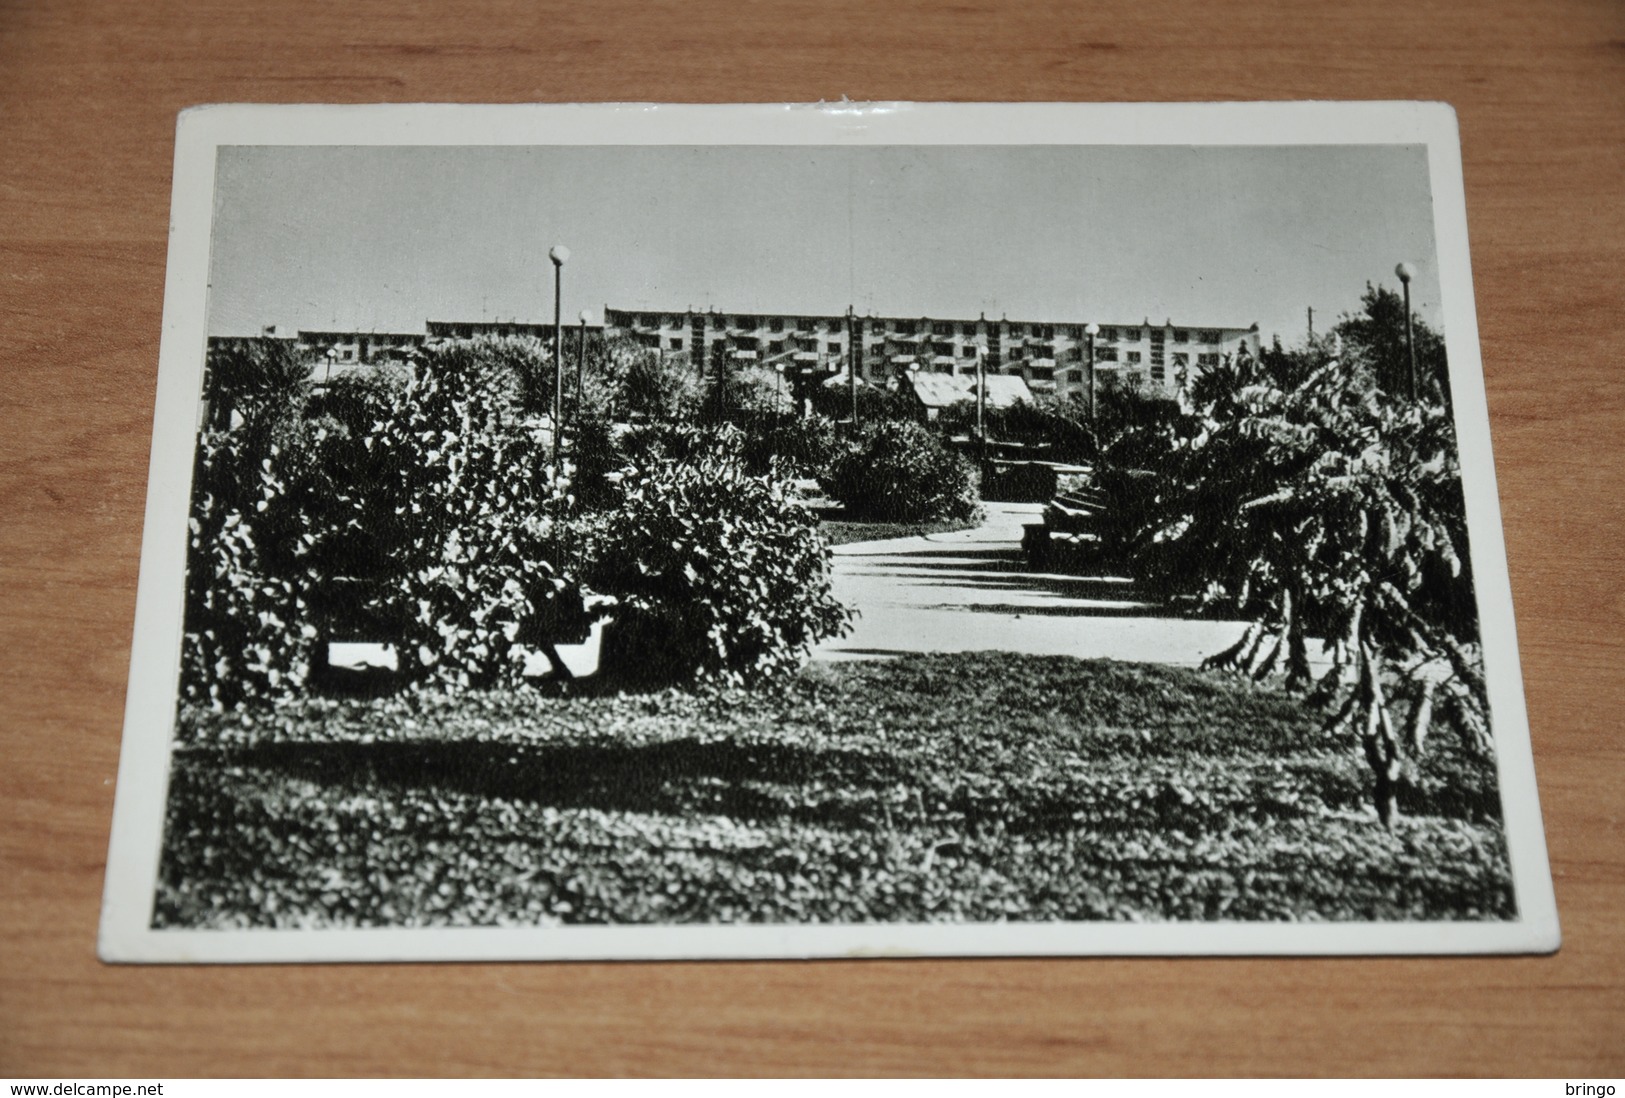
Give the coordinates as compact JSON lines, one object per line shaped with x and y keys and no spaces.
{"x":639,"y":531}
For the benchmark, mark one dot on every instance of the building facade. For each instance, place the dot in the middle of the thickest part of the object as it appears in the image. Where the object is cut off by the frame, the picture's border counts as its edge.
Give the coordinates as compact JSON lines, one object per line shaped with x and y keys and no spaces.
{"x":357,"y":347}
{"x":1049,"y":356}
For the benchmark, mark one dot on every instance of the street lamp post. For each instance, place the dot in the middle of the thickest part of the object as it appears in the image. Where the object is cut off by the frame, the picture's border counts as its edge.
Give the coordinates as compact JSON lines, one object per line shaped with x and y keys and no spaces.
{"x":1091,"y":331}
{"x":852,"y":365}
{"x":581,"y":360}
{"x":559,"y":254}
{"x":981,"y":406}
{"x":1406,"y":272}
{"x":332,"y":354}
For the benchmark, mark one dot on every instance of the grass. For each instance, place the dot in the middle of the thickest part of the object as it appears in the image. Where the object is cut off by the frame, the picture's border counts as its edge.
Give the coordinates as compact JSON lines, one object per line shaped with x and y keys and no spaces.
{"x":838,"y":529}
{"x":937,"y":787}
{"x":845,"y":532}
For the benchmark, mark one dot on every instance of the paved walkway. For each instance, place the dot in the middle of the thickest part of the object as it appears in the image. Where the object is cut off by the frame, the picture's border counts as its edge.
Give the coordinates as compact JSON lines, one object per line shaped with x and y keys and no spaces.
{"x":971,"y":591}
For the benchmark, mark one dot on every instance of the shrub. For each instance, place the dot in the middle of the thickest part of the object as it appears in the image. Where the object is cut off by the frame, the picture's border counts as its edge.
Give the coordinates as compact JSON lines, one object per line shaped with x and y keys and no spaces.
{"x":1056,"y":429}
{"x":902,"y":472}
{"x":717,"y":573}
{"x":747,"y":393}
{"x":423,"y":513}
{"x":254,"y":379}
{"x":1021,"y":482}
{"x":248,"y":632}
{"x":439,"y":527}
{"x":802,"y":447}
{"x":356,"y":401}
{"x":832,"y":398}
{"x":659,"y":387}
{"x":599,"y":456}
{"x":1298,"y":494}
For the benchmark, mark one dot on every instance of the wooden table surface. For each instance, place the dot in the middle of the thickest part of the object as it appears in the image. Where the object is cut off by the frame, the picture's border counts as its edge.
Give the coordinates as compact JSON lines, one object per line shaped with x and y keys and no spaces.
{"x":89,"y":90}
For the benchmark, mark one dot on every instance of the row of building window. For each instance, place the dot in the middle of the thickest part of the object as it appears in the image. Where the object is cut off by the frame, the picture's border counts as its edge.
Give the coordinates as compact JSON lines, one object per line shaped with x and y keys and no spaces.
{"x":1110,"y":334}
{"x":967,"y":353}
{"x":946,"y":350}
{"x":1135,"y":358}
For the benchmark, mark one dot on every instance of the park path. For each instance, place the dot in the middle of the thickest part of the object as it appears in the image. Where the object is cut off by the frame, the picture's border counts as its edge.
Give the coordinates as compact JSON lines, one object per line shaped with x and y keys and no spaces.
{"x":970,"y":590}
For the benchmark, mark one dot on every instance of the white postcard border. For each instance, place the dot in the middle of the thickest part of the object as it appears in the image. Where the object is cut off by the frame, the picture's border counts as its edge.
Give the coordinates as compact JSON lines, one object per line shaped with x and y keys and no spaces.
{"x":133,"y":857}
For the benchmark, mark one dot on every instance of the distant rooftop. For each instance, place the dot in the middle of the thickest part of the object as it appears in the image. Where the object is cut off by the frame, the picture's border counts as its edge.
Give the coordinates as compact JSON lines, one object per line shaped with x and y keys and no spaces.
{"x":943,"y":390}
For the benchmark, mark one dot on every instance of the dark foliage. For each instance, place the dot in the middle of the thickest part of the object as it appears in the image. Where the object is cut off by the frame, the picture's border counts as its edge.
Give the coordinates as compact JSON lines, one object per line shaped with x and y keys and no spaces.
{"x":900,"y":471}
{"x":717,"y":573}
{"x":797,"y":446}
{"x":1049,"y":429}
{"x":1019,"y":482}
{"x":875,"y":404}
{"x":421,"y":511}
{"x":248,"y":630}
{"x":258,"y":379}
{"x":1295,"y":490}
{"x":660,"y":387}
{"x":1373,"y":342}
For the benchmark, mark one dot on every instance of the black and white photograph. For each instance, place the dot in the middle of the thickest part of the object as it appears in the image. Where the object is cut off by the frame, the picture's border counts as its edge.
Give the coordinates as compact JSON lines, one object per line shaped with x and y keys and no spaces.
{"x":822,"y":531}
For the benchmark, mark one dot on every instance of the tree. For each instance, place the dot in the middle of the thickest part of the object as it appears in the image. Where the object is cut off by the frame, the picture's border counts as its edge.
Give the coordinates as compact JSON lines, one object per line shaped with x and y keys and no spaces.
{"x":756,"y":393}
{"x":443,"y":525}
{"x":1300,"y":493}
{"x":657,"y":386}
{"x":875,"y":403}
{"x":1373,"y":342}
{"x":261,"y":378}
{"x":1056,"y":428}
{"x":514,"y":374}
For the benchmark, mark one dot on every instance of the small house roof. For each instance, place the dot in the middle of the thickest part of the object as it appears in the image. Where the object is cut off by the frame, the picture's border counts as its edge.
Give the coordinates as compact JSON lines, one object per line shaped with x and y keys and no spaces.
{"x":941,"y":390}
{"x":1003,"y":390}
{"x":937,"y":390}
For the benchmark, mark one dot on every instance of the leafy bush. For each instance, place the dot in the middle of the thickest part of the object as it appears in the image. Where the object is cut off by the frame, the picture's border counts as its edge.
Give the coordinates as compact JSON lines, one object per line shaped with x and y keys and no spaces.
{"x":717,"y":573}
{"x":1296,"y":491}
{"x":832,"y":399}
{"x":423,"y":513}
{"x":512,"y":375}
{"x":422,"y":510}
{"x":1021,"y":482}
{"x":658,"y":387}
{"x":248,"y":632}
{"x":749,"y":393}
{"x":355,"y":401}
{"x":606,"y":453}
{"x":1054,"y":429}
{"x":254,"y":379}
{"x":599,"y":456}
{"x":440,"y":526}
{"x":902,"y":472}
{"x":802,"y":447}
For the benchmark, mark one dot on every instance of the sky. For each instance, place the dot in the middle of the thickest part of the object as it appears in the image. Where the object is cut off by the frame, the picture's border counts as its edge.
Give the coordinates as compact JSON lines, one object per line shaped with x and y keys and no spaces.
{"x":384,"y":238}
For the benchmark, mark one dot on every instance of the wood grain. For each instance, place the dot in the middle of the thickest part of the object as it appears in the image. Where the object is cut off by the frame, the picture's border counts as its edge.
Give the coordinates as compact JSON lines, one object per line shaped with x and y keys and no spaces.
{"x":88,"y":96}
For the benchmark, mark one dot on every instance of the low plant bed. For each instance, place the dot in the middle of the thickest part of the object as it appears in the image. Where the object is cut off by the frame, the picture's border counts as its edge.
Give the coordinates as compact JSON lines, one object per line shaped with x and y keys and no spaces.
{"x":981,"y":786}
{"x":843,"y":532}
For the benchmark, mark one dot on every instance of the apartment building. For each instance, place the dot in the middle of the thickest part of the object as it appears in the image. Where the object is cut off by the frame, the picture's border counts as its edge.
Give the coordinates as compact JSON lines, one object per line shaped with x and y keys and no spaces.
{"x":357,"y":347}
{"x":477,"y":329}
{"x":1049,"y":356}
